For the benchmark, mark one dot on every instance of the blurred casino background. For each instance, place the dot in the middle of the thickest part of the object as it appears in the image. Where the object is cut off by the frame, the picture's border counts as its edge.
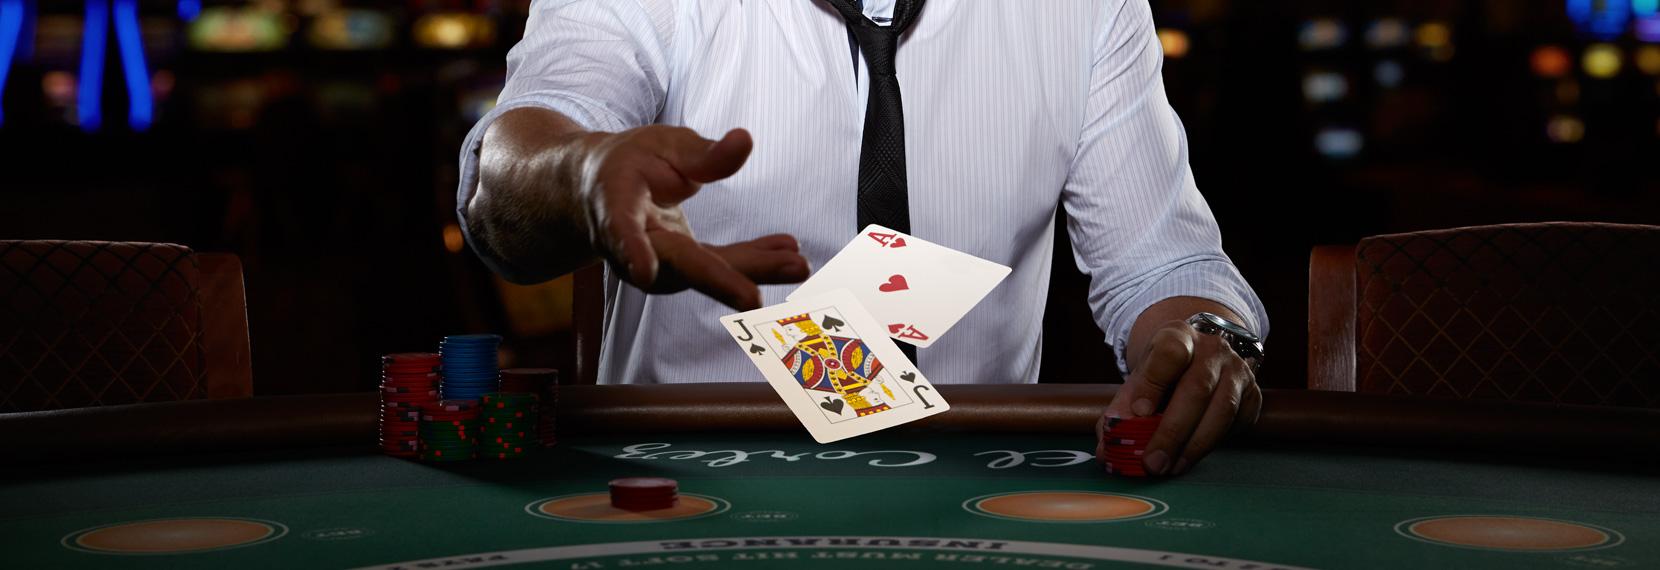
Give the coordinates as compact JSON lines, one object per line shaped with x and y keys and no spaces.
{"x":317,"y":139}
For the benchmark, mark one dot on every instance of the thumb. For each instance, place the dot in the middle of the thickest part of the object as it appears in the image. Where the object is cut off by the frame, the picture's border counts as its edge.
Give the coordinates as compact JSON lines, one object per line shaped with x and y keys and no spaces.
{"x":721,"y":160}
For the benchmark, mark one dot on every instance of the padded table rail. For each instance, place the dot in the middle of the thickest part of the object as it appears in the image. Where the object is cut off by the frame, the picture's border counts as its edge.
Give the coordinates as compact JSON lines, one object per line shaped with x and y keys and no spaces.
{"x":272,"y":422}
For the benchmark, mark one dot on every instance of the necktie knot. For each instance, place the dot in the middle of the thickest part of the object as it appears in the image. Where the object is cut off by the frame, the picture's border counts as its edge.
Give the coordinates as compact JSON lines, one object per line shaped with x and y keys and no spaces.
{"x":880,"y":45}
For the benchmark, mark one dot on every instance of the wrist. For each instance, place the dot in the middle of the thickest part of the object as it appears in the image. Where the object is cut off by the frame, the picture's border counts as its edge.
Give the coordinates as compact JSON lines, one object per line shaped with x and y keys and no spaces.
{"x":1244,"y":343}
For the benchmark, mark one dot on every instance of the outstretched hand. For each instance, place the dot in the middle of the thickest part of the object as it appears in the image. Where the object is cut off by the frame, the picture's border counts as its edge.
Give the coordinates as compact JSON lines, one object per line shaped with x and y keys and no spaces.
{"x":633,"y":183}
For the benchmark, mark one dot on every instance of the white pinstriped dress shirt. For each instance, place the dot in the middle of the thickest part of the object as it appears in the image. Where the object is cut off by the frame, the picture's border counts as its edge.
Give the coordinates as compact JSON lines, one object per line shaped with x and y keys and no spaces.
{"x":1012,"y":108}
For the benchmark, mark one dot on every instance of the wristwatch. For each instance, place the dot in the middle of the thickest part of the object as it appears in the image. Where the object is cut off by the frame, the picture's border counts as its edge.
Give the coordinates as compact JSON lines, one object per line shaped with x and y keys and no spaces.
{"x":1244,"y":343}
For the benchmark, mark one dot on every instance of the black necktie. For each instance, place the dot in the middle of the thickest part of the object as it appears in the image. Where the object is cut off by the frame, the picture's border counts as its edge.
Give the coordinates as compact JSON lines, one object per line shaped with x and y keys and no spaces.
{"x":882,"y":189}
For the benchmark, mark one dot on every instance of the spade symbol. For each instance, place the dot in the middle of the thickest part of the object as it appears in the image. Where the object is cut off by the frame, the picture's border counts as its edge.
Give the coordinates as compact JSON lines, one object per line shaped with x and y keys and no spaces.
{"x":908,"y":376}
{"x":832,"y":324}
{"x":833,"y":405}
{"x":756,"y":349}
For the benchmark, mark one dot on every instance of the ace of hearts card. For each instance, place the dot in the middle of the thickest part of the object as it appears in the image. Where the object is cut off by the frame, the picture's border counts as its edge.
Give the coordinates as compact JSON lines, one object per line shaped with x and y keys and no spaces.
{"x":916,"y":289}
{"x":834,"y":367}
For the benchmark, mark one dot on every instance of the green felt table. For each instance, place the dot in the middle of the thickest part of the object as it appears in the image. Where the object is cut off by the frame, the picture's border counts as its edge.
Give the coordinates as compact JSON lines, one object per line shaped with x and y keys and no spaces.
{"x":908,"y":498}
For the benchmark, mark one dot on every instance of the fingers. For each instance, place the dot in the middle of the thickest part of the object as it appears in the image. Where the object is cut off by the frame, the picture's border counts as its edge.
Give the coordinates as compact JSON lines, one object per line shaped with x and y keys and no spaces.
{"x":1219,"y":413}
{"x":1168,"y":354}
{"x":623,"y":218}
{"x":1189,"y":401}
{"x":697,"y":267}
{"x":767,"y":261}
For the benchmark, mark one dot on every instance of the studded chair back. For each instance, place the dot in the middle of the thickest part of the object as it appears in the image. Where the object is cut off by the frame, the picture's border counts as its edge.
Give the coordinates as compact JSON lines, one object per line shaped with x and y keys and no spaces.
{"x":90,"y":323}
{"x":1553,"y":312}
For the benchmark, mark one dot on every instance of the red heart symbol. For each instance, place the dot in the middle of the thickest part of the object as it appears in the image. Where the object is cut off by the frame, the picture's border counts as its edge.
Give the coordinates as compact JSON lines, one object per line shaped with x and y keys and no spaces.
{"x":894,"y":329}
{"x":895,"y":283}
{"x":897,"y":242}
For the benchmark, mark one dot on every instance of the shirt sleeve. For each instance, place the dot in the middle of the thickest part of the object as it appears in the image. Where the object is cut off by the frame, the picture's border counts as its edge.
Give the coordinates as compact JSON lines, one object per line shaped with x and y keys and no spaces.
{"x":603,"y":63}
{"x":1139,"y":227}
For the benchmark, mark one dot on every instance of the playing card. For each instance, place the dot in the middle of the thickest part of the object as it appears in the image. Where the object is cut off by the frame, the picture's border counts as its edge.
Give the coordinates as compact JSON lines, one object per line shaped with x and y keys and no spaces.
{"x":829,"y":361}
{"x":916,"y":289}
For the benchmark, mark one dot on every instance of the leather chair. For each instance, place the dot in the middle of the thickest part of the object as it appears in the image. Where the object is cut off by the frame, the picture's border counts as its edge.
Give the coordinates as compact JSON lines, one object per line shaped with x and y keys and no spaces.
{"x":1563,"y":312}
{"x":94,"y":323}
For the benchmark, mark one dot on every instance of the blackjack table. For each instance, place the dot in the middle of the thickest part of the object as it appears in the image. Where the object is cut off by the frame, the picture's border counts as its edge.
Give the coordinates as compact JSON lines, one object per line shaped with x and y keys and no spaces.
{"x":1006,"y":479}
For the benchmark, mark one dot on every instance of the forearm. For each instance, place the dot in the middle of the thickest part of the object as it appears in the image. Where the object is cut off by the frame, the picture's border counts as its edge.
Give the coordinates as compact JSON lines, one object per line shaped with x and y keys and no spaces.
{"x":528,"y":211}
{"x":1172,"y":309}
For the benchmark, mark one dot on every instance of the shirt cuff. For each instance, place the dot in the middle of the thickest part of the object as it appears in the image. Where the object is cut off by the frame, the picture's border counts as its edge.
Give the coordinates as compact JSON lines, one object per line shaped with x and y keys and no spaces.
{"x":1216,"y":280}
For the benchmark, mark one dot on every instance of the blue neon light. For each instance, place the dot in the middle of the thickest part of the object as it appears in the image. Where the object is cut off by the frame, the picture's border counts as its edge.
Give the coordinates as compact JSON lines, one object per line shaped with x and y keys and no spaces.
{"x":1645,"y":8}
{"x":92,"y":66}
{"x":189,"y":9}
{"x":11,"y":29}
{"x":140,"y":111}
{"x":1604,"y":19}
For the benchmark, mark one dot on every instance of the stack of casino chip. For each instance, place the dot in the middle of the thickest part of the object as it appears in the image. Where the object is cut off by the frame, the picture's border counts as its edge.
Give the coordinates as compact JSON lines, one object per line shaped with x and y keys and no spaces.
{"x":531,"y":380}
{"x":645,"y":493}
{"x":408,"y":379}
{"x":543,"y":382}
{"x":469,"y":365}
{"x":507,"y":425}
{"x":1124,"y":442}
{"x":546,"y":418}
{"x":449,"y":430}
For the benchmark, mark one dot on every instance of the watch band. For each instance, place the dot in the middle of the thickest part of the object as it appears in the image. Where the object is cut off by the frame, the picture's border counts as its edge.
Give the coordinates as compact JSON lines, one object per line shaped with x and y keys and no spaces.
{"x":1242,"y":340}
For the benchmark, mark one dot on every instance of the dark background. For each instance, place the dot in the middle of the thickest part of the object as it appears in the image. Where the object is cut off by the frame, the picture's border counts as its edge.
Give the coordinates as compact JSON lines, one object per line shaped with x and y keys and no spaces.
{"x":332,"y":173}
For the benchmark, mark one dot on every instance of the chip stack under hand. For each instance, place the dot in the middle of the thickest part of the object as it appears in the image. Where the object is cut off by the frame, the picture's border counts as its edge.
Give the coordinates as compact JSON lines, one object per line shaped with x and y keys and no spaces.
{"x":408,"y":379}
{"x":449,"y":430}
{"x":507,"y":425}
{"x":469,"y":365}
{"x":1124,"y":442}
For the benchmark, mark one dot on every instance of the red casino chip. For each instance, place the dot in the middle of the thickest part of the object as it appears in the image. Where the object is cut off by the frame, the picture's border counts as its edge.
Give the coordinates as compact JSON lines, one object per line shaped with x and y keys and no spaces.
{"x":446,"y":414}
{"x":1124,"y":441}
{"x":410,"y":357}
{"x":451,"y":406}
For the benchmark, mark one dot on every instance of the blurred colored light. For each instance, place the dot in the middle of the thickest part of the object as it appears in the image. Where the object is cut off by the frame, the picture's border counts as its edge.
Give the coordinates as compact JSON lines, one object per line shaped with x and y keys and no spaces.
{"x":11,"y":32}
{"x":59,"y":87}
{"x":1645,"y":8}
{"x":1601,"y":61}
{"x":1602,"y":19}
{"x":350,"y":30}
{"x":1387,"y":33}
{"x":1324,"y":87}
{"x":227,"y":29}
{"x":1565,"y":129}
{"x":1435,"y":39}
{"x":1648,"y":59}
{"x":1551,"y":61}
{"x":1432,"y":34}
{"x":140,"y":109}
{"x":1389,"y":73}
{"x":1322,"y":34}
{"x":89,"y":106}
{"x":1647,"y":29}
{"x":1339,"y":142}
{"x":161,"y":85}
{"x":1174,"y":43}
{"x":453,"y":240}
{"x":454,"y":30}
{"x":189,"y":9}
